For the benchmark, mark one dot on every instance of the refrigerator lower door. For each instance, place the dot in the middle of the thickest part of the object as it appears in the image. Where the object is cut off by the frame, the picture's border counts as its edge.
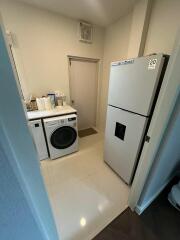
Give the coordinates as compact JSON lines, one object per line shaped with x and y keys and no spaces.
{"x":123,"y":138}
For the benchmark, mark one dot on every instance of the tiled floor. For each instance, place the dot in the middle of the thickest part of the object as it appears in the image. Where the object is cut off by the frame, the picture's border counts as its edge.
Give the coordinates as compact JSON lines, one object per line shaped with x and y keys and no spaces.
{"x":84,"y":192}
{"x":160,"y":221}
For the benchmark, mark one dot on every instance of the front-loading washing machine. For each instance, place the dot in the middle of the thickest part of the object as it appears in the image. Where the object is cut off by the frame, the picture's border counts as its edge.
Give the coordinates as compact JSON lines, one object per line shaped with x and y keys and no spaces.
{"x":62,"y":135}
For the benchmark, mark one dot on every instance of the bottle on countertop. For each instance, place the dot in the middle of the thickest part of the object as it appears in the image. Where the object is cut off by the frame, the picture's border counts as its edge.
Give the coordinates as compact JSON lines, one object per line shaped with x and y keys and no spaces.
{"x":52,"y":97}
{"x":40,"y":104}
{"x":63,"y":100}
{"x":48,"y":103}
{"x":58,"y":98}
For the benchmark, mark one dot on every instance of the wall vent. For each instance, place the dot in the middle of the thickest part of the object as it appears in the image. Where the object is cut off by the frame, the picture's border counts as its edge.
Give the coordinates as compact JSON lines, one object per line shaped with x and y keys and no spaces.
{"x":85,"y":32}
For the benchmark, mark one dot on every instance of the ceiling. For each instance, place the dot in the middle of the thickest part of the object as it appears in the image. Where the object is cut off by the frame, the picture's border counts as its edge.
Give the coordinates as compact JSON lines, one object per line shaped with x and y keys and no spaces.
{"x":99,"y":12}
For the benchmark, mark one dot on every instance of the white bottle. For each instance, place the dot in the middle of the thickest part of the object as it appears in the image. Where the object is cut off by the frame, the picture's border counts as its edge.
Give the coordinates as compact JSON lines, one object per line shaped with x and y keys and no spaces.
{"x":63,"y":100}
{"x":47,"y":103}
{"x":40,"y":104}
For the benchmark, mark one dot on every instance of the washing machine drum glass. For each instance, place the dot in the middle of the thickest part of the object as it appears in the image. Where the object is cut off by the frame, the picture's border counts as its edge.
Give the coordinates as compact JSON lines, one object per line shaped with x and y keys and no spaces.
{"x":63,"y":137}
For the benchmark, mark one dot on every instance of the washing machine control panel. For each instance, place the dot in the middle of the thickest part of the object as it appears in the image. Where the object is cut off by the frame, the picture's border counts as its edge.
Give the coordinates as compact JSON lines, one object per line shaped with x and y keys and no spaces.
{"x":71,"y":119}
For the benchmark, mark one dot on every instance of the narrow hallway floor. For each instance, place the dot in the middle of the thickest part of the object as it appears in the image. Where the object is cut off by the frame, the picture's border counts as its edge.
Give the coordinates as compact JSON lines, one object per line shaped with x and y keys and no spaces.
{"x":85,"y":194}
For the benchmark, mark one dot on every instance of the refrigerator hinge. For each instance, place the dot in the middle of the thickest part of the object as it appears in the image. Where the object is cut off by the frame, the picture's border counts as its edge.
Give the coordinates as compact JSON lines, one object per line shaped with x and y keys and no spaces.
{"x":147,"y":138}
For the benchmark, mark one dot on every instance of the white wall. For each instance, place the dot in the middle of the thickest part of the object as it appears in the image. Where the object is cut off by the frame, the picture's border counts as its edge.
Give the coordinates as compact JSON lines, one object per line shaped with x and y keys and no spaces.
{"x":139,"y":25}
{"x":25,"y":209}
{"x":163,"y":26}
{"x":167,"y":160}
{"x":43,"y":40}
{"x":115,"y":48}
{"x":122,"y":38}
{"x":163,"y":153}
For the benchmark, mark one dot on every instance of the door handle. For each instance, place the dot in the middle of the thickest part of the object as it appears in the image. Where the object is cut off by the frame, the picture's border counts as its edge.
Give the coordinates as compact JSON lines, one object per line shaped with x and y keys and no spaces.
{"x":72,"y":101}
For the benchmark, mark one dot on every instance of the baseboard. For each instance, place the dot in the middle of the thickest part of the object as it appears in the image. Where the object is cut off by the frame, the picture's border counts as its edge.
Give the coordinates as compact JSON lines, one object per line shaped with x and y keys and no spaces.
{"x":140,"y":209}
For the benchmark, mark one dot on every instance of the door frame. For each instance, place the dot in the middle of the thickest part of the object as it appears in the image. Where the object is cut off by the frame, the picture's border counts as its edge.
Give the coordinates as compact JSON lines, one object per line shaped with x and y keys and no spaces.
{"x":167,"y":99}
{"x":21,"y":155}
{"x":98,"y":78}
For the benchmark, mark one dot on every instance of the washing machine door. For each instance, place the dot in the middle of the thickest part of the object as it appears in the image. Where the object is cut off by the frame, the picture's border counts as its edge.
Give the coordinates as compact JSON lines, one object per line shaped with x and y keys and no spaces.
{"x":63,"y":137}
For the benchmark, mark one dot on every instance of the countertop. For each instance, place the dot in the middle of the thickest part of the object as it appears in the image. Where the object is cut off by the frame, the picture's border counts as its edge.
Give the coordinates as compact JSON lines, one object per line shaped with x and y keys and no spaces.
{"x":58,"y":111}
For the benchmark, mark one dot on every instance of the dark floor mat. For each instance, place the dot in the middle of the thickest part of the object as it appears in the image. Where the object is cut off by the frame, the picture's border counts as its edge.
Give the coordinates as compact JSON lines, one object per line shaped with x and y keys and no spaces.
{"x":86,"y":132}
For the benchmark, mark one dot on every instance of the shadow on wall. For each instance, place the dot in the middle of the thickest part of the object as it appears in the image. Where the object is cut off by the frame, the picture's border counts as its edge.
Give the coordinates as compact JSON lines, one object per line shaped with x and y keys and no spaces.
{"x":25,"y":211}
{"x":167,"y":162}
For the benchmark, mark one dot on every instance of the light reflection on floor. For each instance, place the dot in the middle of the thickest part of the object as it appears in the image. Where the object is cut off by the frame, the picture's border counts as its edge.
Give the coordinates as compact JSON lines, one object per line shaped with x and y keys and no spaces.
{"x":85,"y":194}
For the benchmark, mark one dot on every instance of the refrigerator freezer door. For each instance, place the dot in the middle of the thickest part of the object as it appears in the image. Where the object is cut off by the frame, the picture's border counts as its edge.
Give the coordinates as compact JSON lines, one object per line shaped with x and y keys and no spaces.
{"x":123,"y":137}
{"x":133,"y":83}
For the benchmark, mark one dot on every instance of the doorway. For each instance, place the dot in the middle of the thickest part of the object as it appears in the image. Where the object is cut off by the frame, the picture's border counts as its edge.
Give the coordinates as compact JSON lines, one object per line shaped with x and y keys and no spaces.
{"x":84,"y":90}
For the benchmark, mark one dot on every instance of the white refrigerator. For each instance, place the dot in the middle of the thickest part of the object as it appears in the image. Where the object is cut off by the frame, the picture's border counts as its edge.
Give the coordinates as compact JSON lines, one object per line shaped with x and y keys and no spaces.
{"x":133,"y":90}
